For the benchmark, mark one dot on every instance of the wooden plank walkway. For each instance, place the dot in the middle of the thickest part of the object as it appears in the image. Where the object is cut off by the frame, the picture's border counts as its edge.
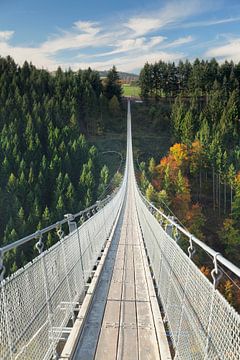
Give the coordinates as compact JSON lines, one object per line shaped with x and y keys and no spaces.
{"x":121,"y":323}
{"x":120,"y":317}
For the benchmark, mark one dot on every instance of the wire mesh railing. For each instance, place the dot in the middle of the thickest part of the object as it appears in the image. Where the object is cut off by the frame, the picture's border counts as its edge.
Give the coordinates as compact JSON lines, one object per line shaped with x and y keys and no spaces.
{"x":202,"y":324}
{"x":38,"y":301}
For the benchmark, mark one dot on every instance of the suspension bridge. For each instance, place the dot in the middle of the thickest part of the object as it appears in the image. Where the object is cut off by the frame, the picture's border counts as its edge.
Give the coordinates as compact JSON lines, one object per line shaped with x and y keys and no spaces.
{"x":117,"y":286}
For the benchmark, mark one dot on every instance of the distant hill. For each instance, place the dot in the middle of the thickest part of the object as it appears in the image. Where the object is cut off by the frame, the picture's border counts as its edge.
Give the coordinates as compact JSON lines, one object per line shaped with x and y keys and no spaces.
{"x":126,"y":77}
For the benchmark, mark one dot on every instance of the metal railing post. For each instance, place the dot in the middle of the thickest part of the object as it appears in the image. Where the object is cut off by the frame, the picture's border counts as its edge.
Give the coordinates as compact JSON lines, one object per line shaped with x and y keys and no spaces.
{"x":72,"y":225}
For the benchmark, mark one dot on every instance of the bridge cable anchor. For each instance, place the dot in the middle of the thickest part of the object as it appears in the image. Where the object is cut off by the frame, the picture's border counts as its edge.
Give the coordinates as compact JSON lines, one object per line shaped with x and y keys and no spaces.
{"x":216,"y":273}
{"x":191,"y":249}
{"x":59,"y":230}
{"x":40,"y":244}
{"x":82,"y":219}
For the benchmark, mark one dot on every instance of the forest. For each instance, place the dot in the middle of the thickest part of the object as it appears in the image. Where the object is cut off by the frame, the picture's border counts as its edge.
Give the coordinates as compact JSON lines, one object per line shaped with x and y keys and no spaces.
{"x":198,"y":178}
{"x":48,"y":167}
{"x":52,"y":123}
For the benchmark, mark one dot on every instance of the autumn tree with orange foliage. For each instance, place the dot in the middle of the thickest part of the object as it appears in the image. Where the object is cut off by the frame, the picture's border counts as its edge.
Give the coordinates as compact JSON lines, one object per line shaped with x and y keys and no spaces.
{"x":171,"y":175}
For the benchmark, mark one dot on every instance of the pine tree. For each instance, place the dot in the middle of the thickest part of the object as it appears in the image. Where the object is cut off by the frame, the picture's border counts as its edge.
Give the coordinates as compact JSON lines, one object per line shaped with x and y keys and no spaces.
{"x":145,"y":80}
{"x":178,"y":115}
{"x":114,"y":107}
{"x":180,"y":183}
{"x":60,"y":207}
{"x":150,"y":193}
{"x":104,"y":179}
{"x":166,"y":179}
{"x":113,"y":86}
{"x":231,"y":177}
{"x":12,"y":183}
{"x":187,"y":128}
{"x":70,"y":197}
{"x":236,"y":201}
{"x":46,"y":218}
{"x":151,"y":167}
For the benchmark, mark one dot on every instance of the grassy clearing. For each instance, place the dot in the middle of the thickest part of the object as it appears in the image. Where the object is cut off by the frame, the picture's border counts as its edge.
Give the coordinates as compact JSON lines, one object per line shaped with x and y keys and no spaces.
{"x":150,"y":140}
{"x":147,"y":142}
{"x":109,"y":145}
{"x":147,"y":145}
{"x":129,"y":90}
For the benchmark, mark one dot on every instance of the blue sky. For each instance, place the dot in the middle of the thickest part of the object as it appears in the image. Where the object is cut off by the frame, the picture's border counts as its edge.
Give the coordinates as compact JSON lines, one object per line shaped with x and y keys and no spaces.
{"x":127,"y":33}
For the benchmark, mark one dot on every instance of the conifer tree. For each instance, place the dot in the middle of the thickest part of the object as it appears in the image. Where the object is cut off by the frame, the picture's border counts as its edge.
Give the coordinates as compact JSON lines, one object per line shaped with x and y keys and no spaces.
{"x":113,"y":86}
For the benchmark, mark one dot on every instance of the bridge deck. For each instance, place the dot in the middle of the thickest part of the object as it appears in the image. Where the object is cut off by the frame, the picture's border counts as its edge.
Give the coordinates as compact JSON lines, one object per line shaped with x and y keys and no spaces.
{"x":123,"y":319}
{"x":120,"y":316}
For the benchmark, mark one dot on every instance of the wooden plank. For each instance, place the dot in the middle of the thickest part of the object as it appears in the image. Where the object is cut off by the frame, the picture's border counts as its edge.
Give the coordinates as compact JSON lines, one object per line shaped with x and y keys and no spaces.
{"x":148,"y":347}
{"x":128,"y":339}
{"x":129,"y":280}
{"x":107,"y":345}
{"x":147,"y":340}
{"x":128,"y":334}
{"x":161,"y":339}
{"x":140,"y":279}
{"x":117,"y":275}
{"x":115,"y":291}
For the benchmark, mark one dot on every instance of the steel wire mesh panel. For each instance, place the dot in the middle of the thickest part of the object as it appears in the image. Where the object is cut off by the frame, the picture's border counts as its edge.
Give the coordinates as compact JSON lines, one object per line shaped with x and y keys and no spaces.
{"x":25,"y":311}
{"x":202,"y":324}
{"x":37,"y":302}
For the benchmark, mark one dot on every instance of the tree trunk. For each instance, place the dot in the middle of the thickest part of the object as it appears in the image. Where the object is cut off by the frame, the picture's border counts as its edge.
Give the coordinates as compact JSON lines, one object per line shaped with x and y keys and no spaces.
{"x":219,"y":194}
{"x":216,"y":190}
{"x":213,"y":175}
{"x":200,"y":184}
{"x":225,"y":197}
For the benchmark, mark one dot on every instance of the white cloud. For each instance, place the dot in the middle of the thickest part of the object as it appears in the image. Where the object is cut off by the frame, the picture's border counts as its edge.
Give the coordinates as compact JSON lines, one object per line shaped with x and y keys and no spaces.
{"x":210,"y":22}
{"x":20,"y":54}
{"x":172,"y":13}
{"x":127,"y":43}
{"x":6,"y":35}
{"x":156,"y":40}
{"x":229,"y":51}
{"x":87,"y":27}
{"x":132,"y":45}
{"x":180,"y":41}
{"x":82,"y":35}
{"x":141,"y":25}
{"x":130,"y":63}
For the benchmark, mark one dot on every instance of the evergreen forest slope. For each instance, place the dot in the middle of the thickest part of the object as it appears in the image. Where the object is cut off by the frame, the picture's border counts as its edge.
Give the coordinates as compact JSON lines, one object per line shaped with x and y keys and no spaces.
{"x":47,"y":166}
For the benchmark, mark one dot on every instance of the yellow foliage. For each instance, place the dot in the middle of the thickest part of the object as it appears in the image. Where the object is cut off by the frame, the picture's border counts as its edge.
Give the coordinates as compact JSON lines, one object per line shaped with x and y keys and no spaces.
{"x":179,"y":153}
{"x":237,"y":179}
{"x":196,"y":147}
{"x":228,"y":291}
{"x":196,"y":156}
